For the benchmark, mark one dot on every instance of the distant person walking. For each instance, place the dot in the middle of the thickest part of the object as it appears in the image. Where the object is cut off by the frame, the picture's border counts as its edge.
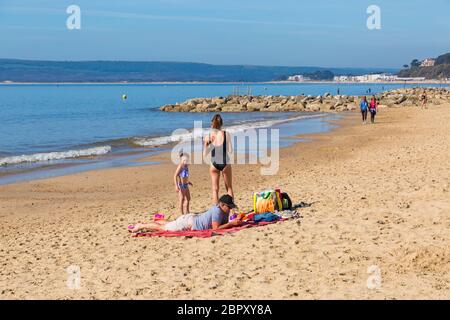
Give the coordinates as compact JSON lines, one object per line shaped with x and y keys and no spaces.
{"x":364,"y":108}
{"x":373,"y":108}
{"x":424,"y":100}
{"x":219,"y":143}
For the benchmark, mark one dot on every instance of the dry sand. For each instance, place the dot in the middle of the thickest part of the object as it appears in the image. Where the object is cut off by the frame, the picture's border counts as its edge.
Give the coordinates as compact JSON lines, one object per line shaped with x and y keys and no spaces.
{"x":380,"y":194}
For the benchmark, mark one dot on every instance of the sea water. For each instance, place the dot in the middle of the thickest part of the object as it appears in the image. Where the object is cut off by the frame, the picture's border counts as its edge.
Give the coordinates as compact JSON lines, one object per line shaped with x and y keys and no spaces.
{"x":86,"y":126}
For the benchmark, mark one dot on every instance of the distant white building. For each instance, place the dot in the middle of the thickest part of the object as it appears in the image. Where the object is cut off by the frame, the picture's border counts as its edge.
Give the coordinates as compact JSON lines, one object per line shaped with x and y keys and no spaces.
{"x":387,"y":77}
{"x":297,"y":78}
{"x":340,"y":78}
{"x":428,"y":62}
{"x":412,"y":79}
{"x":366,"y":78}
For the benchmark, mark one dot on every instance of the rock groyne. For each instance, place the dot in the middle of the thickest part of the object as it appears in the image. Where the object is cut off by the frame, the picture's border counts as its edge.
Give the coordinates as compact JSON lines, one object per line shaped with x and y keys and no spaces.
{"x":323,"y":103}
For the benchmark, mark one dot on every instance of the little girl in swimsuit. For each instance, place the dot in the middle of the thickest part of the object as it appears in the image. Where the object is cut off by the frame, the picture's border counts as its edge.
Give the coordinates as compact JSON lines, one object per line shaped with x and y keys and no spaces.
{"x":181,"y":179}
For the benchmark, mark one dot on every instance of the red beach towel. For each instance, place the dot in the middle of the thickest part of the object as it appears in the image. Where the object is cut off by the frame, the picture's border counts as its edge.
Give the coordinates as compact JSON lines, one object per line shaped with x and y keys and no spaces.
{"x":202,"y":233}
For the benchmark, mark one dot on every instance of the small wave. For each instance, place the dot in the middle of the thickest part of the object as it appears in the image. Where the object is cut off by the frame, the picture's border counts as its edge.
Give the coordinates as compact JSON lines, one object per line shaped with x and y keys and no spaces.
{"x":190,"y":136}
{"x":38,"y":157}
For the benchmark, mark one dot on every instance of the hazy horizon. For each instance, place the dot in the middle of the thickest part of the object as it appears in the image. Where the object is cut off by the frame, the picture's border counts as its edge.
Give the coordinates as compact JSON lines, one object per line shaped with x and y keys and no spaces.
{"x":196,"y":62}
{"x":324,"y":33}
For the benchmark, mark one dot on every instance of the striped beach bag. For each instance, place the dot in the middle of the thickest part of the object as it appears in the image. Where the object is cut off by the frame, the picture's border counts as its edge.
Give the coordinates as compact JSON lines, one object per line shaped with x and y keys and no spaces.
{"x":267,"y":201}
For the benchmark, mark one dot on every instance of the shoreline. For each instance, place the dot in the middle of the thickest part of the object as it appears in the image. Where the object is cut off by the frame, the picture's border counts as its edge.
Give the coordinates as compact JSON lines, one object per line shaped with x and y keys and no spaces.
{"x":132,"y":157}
{"x":299,"y":108}
{"x":379,"y":195}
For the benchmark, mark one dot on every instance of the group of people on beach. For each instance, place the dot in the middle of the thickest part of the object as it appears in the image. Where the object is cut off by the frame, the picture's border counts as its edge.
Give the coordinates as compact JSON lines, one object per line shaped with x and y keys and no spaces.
{"x":218,"y":144}
{"x":372,"y":106}
{"x":367,"y":107}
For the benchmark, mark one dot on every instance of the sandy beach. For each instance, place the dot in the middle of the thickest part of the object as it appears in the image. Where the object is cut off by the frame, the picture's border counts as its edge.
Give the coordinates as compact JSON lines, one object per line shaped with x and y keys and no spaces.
{"x":379,"y":195}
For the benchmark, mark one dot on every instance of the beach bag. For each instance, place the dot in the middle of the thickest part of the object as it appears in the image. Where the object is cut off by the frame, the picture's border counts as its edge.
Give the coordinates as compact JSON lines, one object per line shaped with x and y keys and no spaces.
{"x":265,"y":217}
{"x":267,"y":201}
{"x":286,"y":201}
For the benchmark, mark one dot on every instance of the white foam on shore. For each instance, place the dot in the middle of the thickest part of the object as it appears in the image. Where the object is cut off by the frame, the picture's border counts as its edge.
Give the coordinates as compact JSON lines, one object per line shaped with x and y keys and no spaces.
{"x":39,"y":157}
{"x":158,"y":141}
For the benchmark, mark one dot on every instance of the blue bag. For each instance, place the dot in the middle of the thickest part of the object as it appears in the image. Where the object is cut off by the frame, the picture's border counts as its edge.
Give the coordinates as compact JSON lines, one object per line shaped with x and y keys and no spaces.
{"x":266,"y":217}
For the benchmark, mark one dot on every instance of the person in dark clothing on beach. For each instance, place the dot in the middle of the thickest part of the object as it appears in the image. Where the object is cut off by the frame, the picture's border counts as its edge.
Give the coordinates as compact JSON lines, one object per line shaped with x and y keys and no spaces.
{"x":218,"y":144}
{"x":424,"y":100}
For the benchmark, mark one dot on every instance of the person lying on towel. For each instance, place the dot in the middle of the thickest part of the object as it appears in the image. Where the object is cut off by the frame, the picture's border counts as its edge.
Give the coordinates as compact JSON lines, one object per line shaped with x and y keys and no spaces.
{"x":215,"y":218}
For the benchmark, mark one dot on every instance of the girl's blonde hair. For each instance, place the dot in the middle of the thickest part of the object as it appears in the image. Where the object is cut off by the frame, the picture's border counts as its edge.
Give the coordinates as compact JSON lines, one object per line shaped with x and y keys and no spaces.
{"x":216,"y":122}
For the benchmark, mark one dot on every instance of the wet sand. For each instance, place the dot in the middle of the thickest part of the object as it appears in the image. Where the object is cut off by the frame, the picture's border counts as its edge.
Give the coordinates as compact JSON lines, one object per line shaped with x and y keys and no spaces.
{"x":380,"y":195}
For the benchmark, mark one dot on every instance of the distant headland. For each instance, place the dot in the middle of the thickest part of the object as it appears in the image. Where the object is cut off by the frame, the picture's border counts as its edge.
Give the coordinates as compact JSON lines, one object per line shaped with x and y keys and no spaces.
{"x":37,"y":71}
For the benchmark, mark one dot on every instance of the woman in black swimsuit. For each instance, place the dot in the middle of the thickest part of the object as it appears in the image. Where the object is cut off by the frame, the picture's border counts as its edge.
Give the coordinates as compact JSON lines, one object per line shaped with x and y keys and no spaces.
{"x":220,"y":144}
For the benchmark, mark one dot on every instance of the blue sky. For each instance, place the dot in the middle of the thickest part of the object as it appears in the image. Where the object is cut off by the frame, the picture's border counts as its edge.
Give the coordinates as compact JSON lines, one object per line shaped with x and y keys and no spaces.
{"x":330,"y":33}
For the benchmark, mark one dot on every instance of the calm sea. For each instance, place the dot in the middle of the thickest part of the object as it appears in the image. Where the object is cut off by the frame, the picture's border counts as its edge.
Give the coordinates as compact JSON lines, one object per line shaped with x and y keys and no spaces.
{"x":46,"y":126}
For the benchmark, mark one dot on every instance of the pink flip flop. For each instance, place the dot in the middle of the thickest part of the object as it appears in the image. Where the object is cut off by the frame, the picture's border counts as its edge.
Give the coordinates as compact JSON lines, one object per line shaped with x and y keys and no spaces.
{"x":158,"y":217}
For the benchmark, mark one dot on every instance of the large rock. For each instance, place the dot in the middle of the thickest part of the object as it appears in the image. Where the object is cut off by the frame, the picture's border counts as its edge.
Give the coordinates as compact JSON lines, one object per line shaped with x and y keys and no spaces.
{"x":401,"y":99}
{"x":299,"y":98}
{"x":256,"y":106}
{"x":307,"y":99}
{"x":314,"y":107}
{"x":205,"y":107}
{"x":175,"y":108}
{"x":232,"y":108}
{"x":341,"y":108}
{"x":318,"y":99}
{"x":412,"y":100}
{"x":192,"y":102}
{"x":328,"y":107}
{"x":338,"y":104}
{"x":233,"y":101}
{"x":218,"y":101}
{"x":290,"y":106}
{"x":276,"y":107}
{"x":185,"y":108}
